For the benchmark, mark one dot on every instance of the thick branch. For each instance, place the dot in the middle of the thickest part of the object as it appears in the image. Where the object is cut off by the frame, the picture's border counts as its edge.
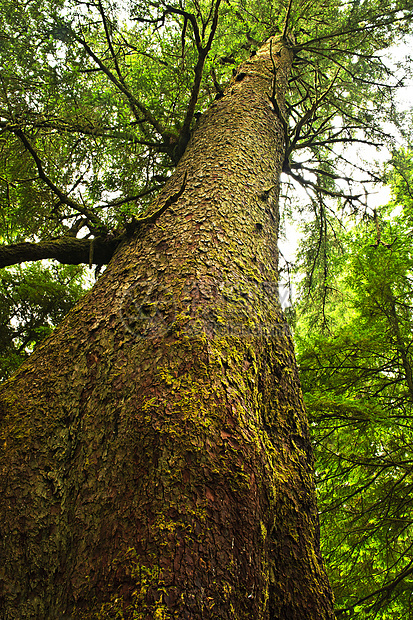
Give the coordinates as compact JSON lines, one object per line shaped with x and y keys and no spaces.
{"x":67,"y":250}
{"x":199,"y":67}
{"x":191,"y":18}
{"x":286,"y":20}
{"x":109,"y":40}
{"x":72,"y":251}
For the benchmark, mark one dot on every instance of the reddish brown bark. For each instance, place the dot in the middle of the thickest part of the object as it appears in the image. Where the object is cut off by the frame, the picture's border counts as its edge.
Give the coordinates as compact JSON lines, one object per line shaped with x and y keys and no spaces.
{"x":156,"y":457}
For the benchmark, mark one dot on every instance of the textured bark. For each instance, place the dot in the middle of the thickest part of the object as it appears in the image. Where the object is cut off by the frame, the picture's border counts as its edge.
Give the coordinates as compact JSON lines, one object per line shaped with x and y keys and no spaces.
{"x":156,"y":459}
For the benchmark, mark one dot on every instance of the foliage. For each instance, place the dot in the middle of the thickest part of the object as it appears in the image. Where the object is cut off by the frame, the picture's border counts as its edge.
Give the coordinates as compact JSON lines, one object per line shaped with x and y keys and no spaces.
{"x":356,"y":368}
{"x":33,"y":300}
{"x":97,"y":100}
{"x":97,"y":103}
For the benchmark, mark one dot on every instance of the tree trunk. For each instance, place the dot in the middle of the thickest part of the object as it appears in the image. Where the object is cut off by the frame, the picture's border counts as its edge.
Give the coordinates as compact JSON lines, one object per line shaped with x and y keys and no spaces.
{"x":156,"y":460}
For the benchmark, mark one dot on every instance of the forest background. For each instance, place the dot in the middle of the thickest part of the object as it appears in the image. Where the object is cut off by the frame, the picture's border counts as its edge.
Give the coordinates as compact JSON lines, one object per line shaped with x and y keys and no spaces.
{"x":67,"y":143}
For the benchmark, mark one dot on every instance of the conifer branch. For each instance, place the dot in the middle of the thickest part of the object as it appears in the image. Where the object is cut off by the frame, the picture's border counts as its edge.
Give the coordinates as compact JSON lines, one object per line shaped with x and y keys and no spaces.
{"x":287,"y":17}
{"x":309,"y":114}
{"x":134,"y":103}
{"x":94,"y":222}
{"x":366,"y":27}
{"x":67,"y":250}
{"x":320,"y":188}
{"x":109,"y":41}
{"x":152,"y":217}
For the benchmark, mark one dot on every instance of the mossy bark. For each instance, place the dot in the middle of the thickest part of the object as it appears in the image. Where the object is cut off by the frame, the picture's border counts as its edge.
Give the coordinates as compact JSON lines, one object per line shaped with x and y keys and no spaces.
{"x":156,"y":461}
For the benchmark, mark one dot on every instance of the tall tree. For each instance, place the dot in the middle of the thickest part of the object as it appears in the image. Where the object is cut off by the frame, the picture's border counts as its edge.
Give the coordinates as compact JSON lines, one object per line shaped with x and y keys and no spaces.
{"x":156,"y":460}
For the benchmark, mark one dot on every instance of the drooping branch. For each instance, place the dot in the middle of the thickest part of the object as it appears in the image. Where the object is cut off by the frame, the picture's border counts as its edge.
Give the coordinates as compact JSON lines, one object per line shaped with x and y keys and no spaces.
{"x":331,"y":175}
{"x":125,"y":199}
{"x":353,"y":75}
{"x":334,"y":140}
{"x":63,"y":198}
{"x":95,"y":223}
{"x":386,"y":589}
{"x":320,"y":188}
{"x":169,"y":9}
{"x":391,"y":19}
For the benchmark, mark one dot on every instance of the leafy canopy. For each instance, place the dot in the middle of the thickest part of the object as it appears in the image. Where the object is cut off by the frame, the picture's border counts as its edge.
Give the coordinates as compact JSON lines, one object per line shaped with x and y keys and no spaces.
{"x":98,"y":101}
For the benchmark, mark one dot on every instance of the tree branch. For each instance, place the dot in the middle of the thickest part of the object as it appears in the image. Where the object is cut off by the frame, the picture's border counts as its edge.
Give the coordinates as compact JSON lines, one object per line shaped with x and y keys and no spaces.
{"x":94,"y":131}
{"x":67,"y":250}
{"x":319,"y":188}
{"x":287,"y":17}
{"x":135,"y":105}
{"x":307,"y":116}
{"x":188,"y":16}
{"x":385,"y":589}
{"x":185,"y":133}
{"x":73,"y":251}
{"x":121,"y":201}
{"x":109,"y":40}
{"x":364,"y":28}
{"x":152,"y":217}
{"x":97,"y":224}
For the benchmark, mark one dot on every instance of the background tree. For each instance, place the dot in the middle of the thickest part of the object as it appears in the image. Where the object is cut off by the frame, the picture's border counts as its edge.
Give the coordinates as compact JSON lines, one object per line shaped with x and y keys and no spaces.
{"x":356,"y":368}
{"x":156,"y":456}
{"x":33,"y":300}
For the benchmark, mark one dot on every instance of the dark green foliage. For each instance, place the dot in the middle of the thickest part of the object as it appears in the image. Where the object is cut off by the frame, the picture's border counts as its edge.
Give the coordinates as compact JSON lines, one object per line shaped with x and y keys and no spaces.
{"x":356,"y":368}
{"x":104,"y":95}
{"x":33,"y":300}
